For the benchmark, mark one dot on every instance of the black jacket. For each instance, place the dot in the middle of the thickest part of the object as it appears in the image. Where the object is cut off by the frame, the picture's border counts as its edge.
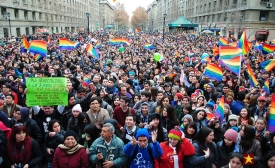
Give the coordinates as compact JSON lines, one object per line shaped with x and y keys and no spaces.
{"x":53,"y":142}
{"x":34,"y":130}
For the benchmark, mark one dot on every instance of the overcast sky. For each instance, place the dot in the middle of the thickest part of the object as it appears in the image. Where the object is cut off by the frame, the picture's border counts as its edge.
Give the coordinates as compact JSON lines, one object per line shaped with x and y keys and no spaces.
{"x":131,"y":5}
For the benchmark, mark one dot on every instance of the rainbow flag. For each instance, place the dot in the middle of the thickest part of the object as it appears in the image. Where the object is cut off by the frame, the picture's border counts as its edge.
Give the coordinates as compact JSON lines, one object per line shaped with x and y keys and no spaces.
{"x":233,"y":64}
{"x":229,"y":52}
{"x":244,"y":44}
{"x":220,"y":109}
{"x":137,"y":30}
{"x":268,"y":48}
{"x":76,"y":44}
{"x":126,"y":42}
{"x":213,"y":71}
{"x":223,"y":42}
{"x":205,"y":58}
{"x":95,"y":53}
{"x":89,"y":48}
{"x":86,"y":81}
{"x":66,"y":44}
{"x":38,"y":57}
{"x":258,"y":46}
{"x":49,"y":39}
{"x":271,"y":118}
{"x":183,"y":79}
{"x":89,"y":37}
{"x":119,"y":41}
{"x":38,"y":47}
{"x":149,"y":46}
{"x":234,"y":44}
{"x":25,"y":43}
{"x":252,"y":78}
{"x":98,"y":45}
{"x":268,"y":65}
{"x":216,"y":52}
{"x":209,"y":116}
{"x":266,"y":87}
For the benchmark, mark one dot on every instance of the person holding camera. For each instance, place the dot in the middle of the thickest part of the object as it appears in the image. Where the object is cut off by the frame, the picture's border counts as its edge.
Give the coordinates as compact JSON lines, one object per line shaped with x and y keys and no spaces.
{"x":22,"y":150}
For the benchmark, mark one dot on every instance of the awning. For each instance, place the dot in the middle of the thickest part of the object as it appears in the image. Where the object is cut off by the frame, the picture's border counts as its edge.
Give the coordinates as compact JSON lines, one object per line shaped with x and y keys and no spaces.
{"x":182,"y":22}
{"x":213,"y":29}
{"x":261,"y":32}
{"x":109,"y":26}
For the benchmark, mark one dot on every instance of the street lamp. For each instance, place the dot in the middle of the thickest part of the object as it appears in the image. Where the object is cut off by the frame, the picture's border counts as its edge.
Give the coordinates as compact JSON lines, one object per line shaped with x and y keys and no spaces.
{"x":152,"y":25}
{"x":88,"y":16}
{"x":8,"y":17}
{"x":103,"y":23}
{"x":164,"y":16}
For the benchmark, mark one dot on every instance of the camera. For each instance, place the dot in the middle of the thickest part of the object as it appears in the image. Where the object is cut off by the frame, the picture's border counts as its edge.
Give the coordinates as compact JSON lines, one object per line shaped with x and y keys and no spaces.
{"x":19,"y":165}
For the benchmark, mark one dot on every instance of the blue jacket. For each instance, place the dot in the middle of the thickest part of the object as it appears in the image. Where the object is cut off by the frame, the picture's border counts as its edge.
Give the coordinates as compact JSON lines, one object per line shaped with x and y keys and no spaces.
{"x":142,"y":158}
{"x":236,"y":107}
{"x":115,"y":149}
{"x":224,"y":156}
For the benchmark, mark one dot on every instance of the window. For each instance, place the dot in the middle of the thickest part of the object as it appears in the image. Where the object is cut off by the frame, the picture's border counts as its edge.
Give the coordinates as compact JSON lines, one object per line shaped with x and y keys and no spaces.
{"x":3,"y":11}
{"x":16,"y":13}
{"x":18,"y":33}
{"x":27,"y":31}
{"x":265,"y":0}
{"x":263,"y":16}
{"x":26,"y":14}
{"x":33,"y":15}
{"x":235,"y":2}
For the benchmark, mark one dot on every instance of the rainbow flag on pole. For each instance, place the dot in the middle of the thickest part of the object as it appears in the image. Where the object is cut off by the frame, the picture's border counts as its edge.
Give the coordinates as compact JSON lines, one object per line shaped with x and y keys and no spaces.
{"x":268,"y":65}
{"x":252,"y":78}
{"x":233,"y":64}
{"x":25,"y":43}
{"x":223,"y":41}
{"x":119,"y":41}
{"x":89,"y":48}
{"x":244,"y":44}
{"x":76,"y":44}
{"x":66,"y":44}
{"x":95,"y":53}
{"x":38,"y":57}
{"x":86,"y":81}
{"x":271,"y":118}
{"x":220,"y":109}
{"x":98,"y":45}
{"x":266,"y":87}
{"x":213,"y":71}
{"x":268,"y":48}
{"x":38,"y":47}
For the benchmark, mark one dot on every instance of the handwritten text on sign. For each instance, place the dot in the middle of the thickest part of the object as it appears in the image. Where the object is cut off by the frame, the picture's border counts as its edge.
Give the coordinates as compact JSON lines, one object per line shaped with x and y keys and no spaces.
{"x":46,"y":91}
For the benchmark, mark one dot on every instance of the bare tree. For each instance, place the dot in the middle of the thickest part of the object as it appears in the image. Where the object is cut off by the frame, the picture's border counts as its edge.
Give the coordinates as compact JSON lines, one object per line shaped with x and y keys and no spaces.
{"x":139,"y":17}
{"x":121,"y":17}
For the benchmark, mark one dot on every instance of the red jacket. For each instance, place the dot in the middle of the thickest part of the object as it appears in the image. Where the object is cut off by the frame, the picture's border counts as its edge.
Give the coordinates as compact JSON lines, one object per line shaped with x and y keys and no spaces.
{"x":78,"y":159}
{"x":186,"y":149}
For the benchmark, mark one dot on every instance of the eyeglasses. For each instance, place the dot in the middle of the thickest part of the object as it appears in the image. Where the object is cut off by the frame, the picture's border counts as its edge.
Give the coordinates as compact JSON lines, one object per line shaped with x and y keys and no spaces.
{"x":18,"y":125}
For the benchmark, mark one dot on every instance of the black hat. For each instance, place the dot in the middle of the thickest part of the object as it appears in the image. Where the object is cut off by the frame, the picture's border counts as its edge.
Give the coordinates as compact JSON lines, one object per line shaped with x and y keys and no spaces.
{"x":130,"y":82}
{"x":155,"y":115}
{"x":70,"y":133}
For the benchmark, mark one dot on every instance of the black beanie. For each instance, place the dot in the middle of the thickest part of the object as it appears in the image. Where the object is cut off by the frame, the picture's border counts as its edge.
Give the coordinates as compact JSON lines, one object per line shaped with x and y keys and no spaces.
{"x":70,"y":133}
{"x":130,"y":82}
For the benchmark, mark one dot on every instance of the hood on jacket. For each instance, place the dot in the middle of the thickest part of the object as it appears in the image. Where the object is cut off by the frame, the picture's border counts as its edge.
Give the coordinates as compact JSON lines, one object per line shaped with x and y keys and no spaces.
{"x":25,"y":114}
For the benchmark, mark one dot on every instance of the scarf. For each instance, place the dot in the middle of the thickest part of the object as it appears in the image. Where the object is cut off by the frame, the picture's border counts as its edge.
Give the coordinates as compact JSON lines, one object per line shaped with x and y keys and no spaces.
{"x":20,"y":152}
{"x":71,"y":150}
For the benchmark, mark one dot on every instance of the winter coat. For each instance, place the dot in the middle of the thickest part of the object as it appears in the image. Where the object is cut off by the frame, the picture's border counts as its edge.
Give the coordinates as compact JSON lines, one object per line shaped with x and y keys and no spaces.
{"x":114,"y":153}
{"x":101,"y":116}
{"x":34,"y":130}
{"x":143,"y":158}
{"x":198,"y":160}
{"x":79,"y":159}
{"x":36,"y":156}
{"x":236,"y":107}
{"x":53,"y":142}
{"x":165,"y":161}
{"x":4,"y":108}
{"x":256,"y":150}
{"x":224,"y":157}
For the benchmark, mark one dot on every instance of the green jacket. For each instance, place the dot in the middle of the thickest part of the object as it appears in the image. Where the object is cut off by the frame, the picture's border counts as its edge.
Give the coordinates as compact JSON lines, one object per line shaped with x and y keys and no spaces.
{"x":114,"y":152}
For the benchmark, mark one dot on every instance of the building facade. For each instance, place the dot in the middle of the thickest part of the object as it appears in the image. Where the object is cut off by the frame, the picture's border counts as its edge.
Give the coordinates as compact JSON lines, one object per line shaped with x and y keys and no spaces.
{"x":27,"y":16}
{"x":106,"y":13}
{"x":228,"y":17}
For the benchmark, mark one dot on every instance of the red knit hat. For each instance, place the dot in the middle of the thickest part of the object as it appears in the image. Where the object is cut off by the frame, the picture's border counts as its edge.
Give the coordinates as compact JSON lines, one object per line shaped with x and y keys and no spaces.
{"x":175,"y":134}
{"x":231,"y":135}
{"x":179,"y":96}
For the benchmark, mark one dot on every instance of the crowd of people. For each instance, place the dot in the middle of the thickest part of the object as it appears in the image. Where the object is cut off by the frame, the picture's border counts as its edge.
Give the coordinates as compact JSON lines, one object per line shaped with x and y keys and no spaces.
{"x":127,"y":109}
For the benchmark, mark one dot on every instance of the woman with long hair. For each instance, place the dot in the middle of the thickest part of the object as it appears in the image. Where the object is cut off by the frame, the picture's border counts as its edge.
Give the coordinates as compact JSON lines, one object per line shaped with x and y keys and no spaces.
{"x":164,"y":101}
{"x":190,"y":131}
{"x":174,"y":150}
{"x":228,"y":146}
{"x":116,"y":102}
{"x":52,"y":139}
{"x":91,"y":133}
{"x":206,"y":150}
{"x":155,"y":125}
{"x":70,"y":154}
{"x":268,"y":160}
{"x":248,"y":143}
{"x":245,"y":117}
{"x":23,"y":151}
{"x":199,"y":117}
{"x":169,"y":119}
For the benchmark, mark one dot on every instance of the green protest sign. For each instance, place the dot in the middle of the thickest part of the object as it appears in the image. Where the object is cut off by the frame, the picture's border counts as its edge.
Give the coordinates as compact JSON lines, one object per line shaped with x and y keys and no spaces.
{"x":46,"y":91}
